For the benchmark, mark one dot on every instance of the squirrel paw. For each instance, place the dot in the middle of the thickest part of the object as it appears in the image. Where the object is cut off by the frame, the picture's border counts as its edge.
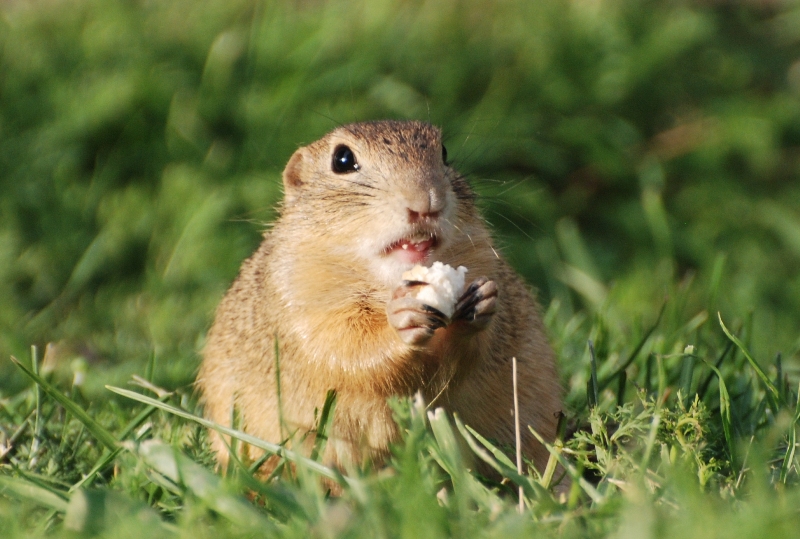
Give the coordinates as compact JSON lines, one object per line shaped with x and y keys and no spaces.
{"x":414,"y":321}
{"x":477,"y":304}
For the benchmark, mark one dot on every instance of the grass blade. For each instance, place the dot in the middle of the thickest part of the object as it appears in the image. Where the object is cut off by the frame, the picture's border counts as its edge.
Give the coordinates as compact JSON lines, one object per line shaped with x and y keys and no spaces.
{"x":276,"y":449}
{"x":449,"y":450}
{"x":205,"y":485}
{"x":772,"y":391}
{"x":791,"y":450}
{"x":573,"y":472}
{"x":447,"y":453}
{"x":501,"y":457}
{"x":788,"y":459}
{"x":648,"y":373}
{"x":701,"y":390}
{"x":725,"y":413}
{"x":102,"y":463}
{"x":108,"y":456}
{"x":97,"y":430}
{"x":623,"y":383}
{"x":150,"y":369}
{"x":324,"y":425}
{"x":687,"y":370}
{"x":104,"y":513}
{"x":631,"y":358}
{"x":37,"y":429}
{"x":651,"y":441}
{"x":593,"y":386}
{"x":24,"y":489}
{"x":502,"y":465}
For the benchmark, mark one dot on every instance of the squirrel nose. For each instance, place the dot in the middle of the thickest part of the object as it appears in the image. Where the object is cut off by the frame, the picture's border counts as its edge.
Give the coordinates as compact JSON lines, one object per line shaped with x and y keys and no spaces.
{"x":427,"y":205}
{"x":414,"y":216}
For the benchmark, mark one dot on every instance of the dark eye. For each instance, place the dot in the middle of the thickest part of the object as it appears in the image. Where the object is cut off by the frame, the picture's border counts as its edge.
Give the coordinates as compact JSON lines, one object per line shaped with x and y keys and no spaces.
{"x":444,"y":154}
{"x":344,"y":160}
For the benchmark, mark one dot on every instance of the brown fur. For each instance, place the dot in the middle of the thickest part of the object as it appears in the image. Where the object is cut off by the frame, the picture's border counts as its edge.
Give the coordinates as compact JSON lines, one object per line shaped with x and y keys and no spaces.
{"x":320,"y":284}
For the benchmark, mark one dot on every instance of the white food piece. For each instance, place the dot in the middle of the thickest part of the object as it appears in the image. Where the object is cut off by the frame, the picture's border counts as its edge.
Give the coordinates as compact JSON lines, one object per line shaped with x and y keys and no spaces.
{"x":445,"y":285}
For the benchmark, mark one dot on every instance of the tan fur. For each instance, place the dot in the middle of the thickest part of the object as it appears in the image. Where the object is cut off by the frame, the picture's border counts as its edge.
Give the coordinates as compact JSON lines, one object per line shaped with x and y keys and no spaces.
{"x":320,"y":283}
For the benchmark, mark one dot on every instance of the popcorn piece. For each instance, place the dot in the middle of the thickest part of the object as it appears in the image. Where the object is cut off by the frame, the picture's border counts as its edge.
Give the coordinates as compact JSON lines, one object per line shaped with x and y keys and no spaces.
{"x":445,"y":285}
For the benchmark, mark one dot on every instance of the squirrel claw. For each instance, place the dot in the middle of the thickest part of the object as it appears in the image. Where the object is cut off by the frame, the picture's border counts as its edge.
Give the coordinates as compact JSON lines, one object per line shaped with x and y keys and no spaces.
{"x":414,"y":321}
{"x":478,"y":303}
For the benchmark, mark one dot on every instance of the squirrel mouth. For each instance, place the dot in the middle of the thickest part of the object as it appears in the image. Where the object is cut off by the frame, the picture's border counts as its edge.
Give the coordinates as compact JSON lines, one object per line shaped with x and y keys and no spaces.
{"x":413,"y":249}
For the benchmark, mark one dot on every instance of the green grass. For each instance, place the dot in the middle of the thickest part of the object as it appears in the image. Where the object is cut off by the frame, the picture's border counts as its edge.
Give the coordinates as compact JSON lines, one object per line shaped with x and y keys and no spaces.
{"x":638,"y":162}
{"x":667,"y":449}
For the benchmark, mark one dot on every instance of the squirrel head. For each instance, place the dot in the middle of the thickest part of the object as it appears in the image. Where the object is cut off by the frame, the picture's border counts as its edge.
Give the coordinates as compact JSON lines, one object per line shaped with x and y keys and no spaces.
{"x":380,"y":191}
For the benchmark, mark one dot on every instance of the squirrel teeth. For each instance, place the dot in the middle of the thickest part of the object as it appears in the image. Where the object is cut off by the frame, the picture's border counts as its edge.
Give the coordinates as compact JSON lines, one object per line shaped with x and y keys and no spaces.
{"x":413,"y":249}
{"x":419,"y":246}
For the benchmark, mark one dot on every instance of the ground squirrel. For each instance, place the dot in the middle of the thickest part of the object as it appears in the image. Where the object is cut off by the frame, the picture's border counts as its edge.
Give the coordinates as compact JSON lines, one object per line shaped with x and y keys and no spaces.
{"x":361,"y":206}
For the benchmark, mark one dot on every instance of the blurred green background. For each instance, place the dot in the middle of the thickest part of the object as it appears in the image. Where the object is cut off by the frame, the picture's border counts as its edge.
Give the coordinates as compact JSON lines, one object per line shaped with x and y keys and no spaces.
{"x":623,"y":150}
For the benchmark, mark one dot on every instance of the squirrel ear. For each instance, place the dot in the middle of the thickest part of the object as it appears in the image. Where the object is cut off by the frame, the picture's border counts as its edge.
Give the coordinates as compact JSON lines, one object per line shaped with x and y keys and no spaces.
{"x":293,"y":174}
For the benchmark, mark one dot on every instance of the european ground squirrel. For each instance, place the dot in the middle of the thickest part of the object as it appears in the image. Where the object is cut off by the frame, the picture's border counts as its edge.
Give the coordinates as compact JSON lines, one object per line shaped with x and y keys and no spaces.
{"x":363,"y":205}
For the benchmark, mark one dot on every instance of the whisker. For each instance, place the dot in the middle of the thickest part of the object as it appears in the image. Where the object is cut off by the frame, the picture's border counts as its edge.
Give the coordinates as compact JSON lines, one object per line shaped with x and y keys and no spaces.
{"x":491,"y":141}
{"x":515,"y":225}
{"x":457,"y":228}
{"x":512,"y":185}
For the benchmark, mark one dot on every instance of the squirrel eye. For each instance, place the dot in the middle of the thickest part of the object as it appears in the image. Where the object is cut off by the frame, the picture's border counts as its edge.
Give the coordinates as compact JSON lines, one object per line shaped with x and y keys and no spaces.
{"x":444,"y":154}
{"x":344,"y":160}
